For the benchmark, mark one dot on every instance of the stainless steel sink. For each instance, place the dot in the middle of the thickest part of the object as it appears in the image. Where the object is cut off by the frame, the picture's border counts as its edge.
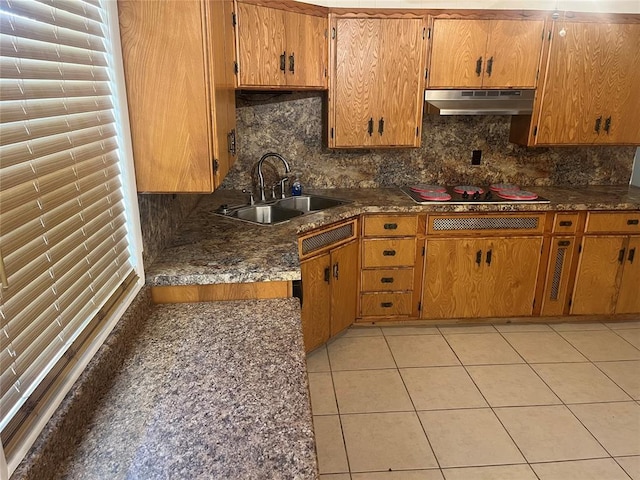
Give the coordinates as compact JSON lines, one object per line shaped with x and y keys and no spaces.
{"x":309,"y":203}
{"x":267,"y":214}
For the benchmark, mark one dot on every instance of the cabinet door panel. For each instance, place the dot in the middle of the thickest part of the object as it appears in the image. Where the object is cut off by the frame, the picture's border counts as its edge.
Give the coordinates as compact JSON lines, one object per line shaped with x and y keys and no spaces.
{"x":169,"y":113}
{"x":307,"y":43}
{"x":513,"y":53}
{"x":510,"y":276}
{"x":401,"y":91}
{"x":261,"y":42}
{"x":457,"y":47}
{"x":629,"y":294}
{"x":598,"y":279}
{"x":316,"y":301}
{"x":453,"y":283}
{"x":355,"y":81}
{"x":344,"y":290}
{"x":558,"y":271}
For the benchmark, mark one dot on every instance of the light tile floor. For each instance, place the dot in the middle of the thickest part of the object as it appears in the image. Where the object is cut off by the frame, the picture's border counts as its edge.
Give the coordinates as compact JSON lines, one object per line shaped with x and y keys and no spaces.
{"x":512,"y":402}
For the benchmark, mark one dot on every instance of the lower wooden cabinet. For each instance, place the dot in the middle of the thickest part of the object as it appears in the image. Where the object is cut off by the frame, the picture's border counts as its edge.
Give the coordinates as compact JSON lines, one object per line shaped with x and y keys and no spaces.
{"x":329,"y":299}
{"x":480,"y":277}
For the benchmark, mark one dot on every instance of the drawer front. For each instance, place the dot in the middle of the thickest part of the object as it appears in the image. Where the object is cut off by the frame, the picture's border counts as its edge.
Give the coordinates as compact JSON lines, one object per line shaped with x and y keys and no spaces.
{"x":400,"y":252}
{"x":385,"y":304}
{"x":390,"y":225}
{"x":613,"y":222}
{"x":388,"y":280}
{"x":565,"y":223}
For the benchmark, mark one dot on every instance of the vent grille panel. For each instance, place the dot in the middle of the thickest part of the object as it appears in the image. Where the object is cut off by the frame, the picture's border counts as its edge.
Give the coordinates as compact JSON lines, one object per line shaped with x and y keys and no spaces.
{"x":557,"y":273}
{"x":326,"y":238}
{"x":483,"y":223}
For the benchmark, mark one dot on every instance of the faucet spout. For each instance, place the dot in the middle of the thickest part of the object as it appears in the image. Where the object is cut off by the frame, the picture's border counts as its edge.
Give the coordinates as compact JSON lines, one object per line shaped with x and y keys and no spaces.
{"x":287,"y":169}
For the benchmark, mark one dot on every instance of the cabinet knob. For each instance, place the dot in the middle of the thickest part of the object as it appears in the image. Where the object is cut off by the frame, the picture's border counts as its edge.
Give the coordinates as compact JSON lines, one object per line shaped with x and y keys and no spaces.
{"x":283,"y":61}
{"x":390,"y":226}
{"x":479,"y":67}
{"x":564,"y":243}
{"x":292,"y":60}
{"x":389,"y":253}
{"x":597,"y":125}
{"x":489,"y":66}
{"x":370,"y":126}
{"x":632,"y":254}
{"x":621,"y":255}
{"x":327,"y":274}
{"x":607,"y":125}
{"x":566,"y":223}
{"x":479,"y":257}
{"x":381,"y":126}
{"x":386,"y":280}
{"x":386,"y":304}
{"x":489,"y":256}
{"x":633,"y":221}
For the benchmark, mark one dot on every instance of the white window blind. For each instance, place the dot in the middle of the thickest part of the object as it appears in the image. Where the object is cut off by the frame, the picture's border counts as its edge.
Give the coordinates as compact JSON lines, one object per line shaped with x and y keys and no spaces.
{"x":64,"y":246}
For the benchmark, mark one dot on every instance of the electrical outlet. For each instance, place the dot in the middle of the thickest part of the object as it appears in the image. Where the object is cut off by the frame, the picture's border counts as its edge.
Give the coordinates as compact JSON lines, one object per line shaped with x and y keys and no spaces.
{"x":476,"y":157}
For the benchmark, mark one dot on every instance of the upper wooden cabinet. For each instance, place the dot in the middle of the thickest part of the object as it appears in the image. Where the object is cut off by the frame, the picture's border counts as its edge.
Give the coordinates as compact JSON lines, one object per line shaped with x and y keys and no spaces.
{"x":485,"y":53}
{"x":178,"y":62}
{"x":590,"y":92}
{"x":278,"y":48}
{"x":376,"y":85}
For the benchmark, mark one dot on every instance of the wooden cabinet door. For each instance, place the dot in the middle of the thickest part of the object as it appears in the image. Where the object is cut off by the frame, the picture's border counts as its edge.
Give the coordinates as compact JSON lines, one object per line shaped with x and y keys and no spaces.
{"x":401,"y":92}
{"x":513,"y":53}
{"x":629,"y":294}
{"x":167,"y":92}
{"x":510,"y":275}
{"x":316,"y":301}
{"x":598,"y":277}
{"x":556,"y":287}
{"x":261,"y":44}
{"x":344,"y":289}
{"x":306,"y":46}
{"x":356,"y":76}
{"x":221,"y":57}
{"x":453,"y":282}
{"x":458,"y":53}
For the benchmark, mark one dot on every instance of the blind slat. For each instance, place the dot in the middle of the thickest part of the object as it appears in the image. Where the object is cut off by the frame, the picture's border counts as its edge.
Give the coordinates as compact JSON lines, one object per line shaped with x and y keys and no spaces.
{"x":20,"y":110}
{"x":16,"y":89}
{"x":35,"y":69}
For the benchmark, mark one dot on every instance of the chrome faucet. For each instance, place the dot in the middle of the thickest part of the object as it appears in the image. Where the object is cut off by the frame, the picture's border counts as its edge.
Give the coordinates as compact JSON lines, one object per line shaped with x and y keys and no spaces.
{"x":282,"y":182}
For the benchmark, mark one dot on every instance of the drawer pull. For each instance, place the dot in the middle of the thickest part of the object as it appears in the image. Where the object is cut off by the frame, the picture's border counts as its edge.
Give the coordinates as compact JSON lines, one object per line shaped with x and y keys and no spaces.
{"x":564,"y":243}
{"x":389,"y":253}
{"x":327,"y":274}
{"x":632,"y":254}
{"x":386,"y":304}
{"x":386,"y":280}
{"x":566,"y":223}
{"x":621,"y":255}
{"x":390,"y":226}
{"x":479,"y":257}
{"x":633,"y":221}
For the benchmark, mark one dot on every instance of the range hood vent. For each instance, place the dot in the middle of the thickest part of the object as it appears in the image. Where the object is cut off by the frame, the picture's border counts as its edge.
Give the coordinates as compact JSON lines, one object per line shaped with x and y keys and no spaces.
{"x":479,"y":102}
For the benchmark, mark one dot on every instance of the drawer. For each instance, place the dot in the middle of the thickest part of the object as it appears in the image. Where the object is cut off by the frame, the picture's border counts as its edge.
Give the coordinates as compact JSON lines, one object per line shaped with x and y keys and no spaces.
{"x":613,"y":222}
{"x":382,"y":252}
{"x":390,"y":225}
{"x":389,"y":280}
{"x":385,"y":304}
{"x":565,"y":223}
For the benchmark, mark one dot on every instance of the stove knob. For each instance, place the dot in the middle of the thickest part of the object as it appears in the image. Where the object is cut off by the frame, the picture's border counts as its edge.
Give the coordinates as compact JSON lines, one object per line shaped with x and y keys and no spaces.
{"x":476,"y":195}
{"x":465,"y":195}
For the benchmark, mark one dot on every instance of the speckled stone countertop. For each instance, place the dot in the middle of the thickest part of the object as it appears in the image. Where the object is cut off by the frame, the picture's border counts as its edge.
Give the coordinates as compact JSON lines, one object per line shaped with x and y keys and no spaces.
{"x":212,"y":249}
{"x":212,"y":390}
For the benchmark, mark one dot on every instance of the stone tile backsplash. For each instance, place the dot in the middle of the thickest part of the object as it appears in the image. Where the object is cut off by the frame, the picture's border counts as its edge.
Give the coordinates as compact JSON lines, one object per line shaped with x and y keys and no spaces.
{"x":294,"y":124}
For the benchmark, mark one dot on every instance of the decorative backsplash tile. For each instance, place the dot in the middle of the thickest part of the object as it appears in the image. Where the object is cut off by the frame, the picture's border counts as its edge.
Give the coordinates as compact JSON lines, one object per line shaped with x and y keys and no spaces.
{"x":292,"y":124}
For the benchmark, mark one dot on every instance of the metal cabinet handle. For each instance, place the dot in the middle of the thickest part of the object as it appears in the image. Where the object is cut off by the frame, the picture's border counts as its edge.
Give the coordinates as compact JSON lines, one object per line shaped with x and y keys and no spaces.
{"x":336,"y":271}
{"x":370,"y":126}
{"x":231,"y":142}
{"x":386,"y":304}
{"x":633,"y":221}
{"x":632,"y":254}
{"x":390,"y":226}
{"x":566,"y":223}
{"x":479,"y":257}
{"x":597,"y":125}
{"x":327,"y":275}
{"x":283,"y":61}
{"x":564,"y":243}
{"x":607,"y":125}
{"x":489,"y":66}
{"x":479,"y":66}
{"x":489,"y":256}
{"x":386,"y":280}
{"x":292,"y":60}
{"x":621,"y":255}
{"x":389,"y":253}
{"x":381,"y":126}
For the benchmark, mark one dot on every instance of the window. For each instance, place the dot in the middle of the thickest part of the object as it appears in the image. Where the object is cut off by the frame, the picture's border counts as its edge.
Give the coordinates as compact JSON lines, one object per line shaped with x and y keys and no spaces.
{"x":69,"y":230}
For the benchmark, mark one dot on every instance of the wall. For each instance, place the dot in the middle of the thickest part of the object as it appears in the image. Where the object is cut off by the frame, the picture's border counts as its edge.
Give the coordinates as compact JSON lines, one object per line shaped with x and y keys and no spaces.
{"x":292,"y":124}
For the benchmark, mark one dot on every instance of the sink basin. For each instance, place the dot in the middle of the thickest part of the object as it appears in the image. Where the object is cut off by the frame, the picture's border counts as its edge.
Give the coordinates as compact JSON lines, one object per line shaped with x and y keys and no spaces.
{"x":309,"y":203}
{"x":267,"y":214}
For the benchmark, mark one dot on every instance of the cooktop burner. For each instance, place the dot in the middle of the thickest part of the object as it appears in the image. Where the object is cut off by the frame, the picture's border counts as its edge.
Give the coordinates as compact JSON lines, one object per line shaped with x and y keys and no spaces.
{"x":500,"y":193}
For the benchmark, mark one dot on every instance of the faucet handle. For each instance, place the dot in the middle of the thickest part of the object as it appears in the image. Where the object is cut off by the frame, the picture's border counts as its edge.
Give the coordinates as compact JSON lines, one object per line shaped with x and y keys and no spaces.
{"x":251,"y":199}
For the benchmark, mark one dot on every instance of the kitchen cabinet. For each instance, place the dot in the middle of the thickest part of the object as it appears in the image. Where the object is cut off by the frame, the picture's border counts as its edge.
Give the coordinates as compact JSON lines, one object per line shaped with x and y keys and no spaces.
{"x":329,"y":270}
{"x":470,"y":274}
{"x":388,"y":286}
{"x":589,"y":93}
{"x":180,"y":91}
{"x":470,"y":53}
{"x":278,"y":48}
{"x":376,"y":81}
{"x":608,"y":273}
{"x":557,"y":281}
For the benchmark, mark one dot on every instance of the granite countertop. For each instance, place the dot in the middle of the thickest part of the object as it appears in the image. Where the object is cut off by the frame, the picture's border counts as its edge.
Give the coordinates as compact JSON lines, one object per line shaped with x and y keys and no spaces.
{"x":212,"y":390}
{"x":211,"y":249}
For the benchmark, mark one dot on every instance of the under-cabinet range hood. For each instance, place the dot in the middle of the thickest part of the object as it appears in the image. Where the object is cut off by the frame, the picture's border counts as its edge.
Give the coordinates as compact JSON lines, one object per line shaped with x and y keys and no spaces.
{"x":479,"y":102}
